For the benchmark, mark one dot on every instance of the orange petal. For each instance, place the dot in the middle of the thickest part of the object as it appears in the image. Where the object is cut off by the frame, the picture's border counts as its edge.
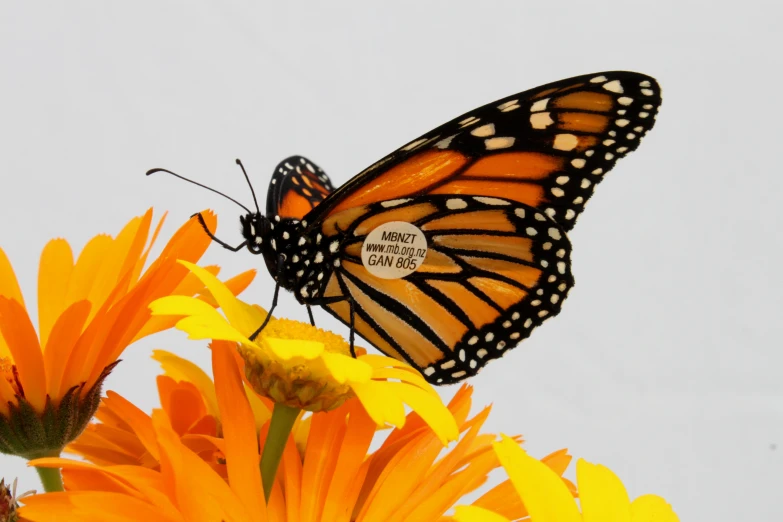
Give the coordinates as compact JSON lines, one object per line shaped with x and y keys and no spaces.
{"x":200,"y":493}
{"x":136,"y":419}
{"x":54,"y":274}
{"x":239,"y":429}
{"x":345,"y":483}
{"x":119,"y":259}
{"x":320,"y":461}
{"x":64,"y":335}
{"x":9,"y":287}
{"x":86,"y":267}
{"x":143,"y":259}
{"x":88,"y":506}
{"x":22,"y":340}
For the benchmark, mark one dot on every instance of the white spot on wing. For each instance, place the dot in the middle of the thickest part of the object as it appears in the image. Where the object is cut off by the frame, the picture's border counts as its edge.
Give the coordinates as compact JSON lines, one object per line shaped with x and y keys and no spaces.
{"x":455,"y":204}
{"x":541,"y":120}
{"x":499,"y":143}
{"x":614,"y":86}
{"x":412,"y":145}
{"x":578,"y":162}
{"x":598,"y":79}
{"x":565,"y":142}
{"x":484,"y":131}
{"x":539,"y":105}
{"x":445,"y":142}
{"x":394,"y":202}
{"x":491,"y":201}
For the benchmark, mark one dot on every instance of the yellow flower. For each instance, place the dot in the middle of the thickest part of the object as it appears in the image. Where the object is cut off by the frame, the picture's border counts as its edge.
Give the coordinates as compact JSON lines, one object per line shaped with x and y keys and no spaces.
{"x":303,"y":367}
{"x":89,"y":311}
{"x":602,"y":495}
{"x":326,"y":474}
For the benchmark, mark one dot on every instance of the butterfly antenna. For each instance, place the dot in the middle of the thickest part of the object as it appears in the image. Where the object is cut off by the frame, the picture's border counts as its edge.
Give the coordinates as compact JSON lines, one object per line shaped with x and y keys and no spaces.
{"x":153,"y":171}
{"x":239,"y":162}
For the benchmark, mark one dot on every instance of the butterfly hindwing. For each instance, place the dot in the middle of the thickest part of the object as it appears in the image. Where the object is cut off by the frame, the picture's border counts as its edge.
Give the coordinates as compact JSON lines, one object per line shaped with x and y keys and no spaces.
{"x":547,"y":147}
{"x":494,"y":270}
{"x":296,"y":187}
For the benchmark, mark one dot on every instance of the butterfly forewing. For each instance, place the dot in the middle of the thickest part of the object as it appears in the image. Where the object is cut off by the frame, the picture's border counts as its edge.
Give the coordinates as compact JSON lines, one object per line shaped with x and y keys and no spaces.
{"x":297,"y":186}
{"x":548,"y":148}
{"x":494,"y":270}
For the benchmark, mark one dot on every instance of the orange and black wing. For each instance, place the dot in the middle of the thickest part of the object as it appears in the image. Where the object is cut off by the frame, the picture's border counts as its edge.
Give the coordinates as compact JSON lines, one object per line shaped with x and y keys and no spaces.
{"x":494,"y":270}
{"x":296,"y":187}
{"x":547,"y":148}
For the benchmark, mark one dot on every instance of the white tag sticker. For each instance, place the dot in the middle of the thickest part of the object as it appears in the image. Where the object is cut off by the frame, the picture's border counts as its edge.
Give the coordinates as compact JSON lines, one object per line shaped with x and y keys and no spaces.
{"x":394,"y":250}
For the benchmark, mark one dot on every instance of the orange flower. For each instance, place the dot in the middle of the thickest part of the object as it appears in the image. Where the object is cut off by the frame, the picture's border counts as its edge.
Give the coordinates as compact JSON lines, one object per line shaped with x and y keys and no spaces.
{"x":326,"y":473}
{"x":89,"y":311}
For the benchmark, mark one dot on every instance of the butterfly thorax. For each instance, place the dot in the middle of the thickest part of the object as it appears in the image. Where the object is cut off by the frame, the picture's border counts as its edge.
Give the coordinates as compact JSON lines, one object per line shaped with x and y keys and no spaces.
{"x":307,"y":258}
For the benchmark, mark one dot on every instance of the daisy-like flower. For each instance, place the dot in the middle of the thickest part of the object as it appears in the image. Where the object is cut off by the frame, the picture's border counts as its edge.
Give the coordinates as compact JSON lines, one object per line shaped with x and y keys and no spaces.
{"x":602,"y":496}
{"x":89,"y":311}
{"x":301,"y":367}
{"x":328,"y":478}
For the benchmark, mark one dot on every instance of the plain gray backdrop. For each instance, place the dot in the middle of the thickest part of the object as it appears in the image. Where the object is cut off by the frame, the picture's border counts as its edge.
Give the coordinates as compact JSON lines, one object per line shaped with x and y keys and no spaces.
{"x":665,"y":363}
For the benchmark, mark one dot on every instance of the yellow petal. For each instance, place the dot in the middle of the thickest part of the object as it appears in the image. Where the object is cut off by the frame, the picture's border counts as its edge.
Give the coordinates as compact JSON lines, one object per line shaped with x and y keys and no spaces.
{"x":344,"y":368}
{"x":203,"y":327}
{"x":287,"y":348}
{"x":543,"y":492}
{"x":377,"y":404}
{"x":430,"y":409}
{"x":477,"y":514}
{"x":652,"y":508}
{"x":245,"y":317}
{"x":601,"y":494}
{"x":181,"y":305}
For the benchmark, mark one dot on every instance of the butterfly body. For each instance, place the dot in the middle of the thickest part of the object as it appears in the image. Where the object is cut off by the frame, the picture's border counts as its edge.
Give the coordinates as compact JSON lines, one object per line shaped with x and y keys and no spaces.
{"x":489,"y":198}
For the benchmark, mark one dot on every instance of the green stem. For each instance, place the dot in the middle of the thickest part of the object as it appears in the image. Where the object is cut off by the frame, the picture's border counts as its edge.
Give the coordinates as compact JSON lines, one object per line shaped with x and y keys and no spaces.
{"x":283,"y":418}
{"x":51,"y":479}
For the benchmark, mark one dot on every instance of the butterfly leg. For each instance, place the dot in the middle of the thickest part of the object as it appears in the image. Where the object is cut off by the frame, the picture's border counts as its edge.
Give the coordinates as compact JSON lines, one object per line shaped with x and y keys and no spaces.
{"x":351,"y":335}
{"x":280,"y":262}
{"x":216,"y":240}
{"x":310,"y":314}
{"x":330,"y":300}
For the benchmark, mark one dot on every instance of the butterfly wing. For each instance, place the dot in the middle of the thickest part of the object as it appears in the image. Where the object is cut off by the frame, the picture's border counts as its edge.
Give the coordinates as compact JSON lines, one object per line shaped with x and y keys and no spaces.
{"x":547,"y":148}
{"x":296,"y":187}
{"x":494,"y":270}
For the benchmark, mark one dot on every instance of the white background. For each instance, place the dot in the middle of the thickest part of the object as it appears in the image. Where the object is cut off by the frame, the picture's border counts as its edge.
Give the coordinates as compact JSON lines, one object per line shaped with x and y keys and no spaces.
{"x":665,"y":363}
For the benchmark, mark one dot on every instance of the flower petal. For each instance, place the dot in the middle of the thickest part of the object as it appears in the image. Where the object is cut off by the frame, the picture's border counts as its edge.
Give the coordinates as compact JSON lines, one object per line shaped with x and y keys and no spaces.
{"x":19,"y":333}
{"x":652,"y":508}
{"x":239,"y":431}
{"x":244,"y":317}
{"x":54,"y":274}
{"x":287,"y":349}
{"x":477,"y":514}
{"x":64,"y":335}
{"x":542,"y":490}
{"x":9,"y":286}
{"x":601,"y":494}
{"x":181,"y":369}
{"x":344,"y":368}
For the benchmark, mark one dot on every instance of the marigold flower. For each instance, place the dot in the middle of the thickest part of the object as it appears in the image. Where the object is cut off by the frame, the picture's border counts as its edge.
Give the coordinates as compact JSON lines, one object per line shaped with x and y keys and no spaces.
{"x":330,"y":479}
{"x":304,"y":367}
{"x":89,"y":311}
{"x":602,"y":495}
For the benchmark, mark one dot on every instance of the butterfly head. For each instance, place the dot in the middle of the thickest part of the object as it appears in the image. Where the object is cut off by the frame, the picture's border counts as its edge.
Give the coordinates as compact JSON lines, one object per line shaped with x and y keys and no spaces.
{"x":257,"y":231}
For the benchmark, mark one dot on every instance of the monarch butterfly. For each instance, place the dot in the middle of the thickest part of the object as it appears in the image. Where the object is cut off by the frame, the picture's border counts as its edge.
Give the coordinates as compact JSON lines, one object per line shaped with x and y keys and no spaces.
{"x":484,"y":201}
